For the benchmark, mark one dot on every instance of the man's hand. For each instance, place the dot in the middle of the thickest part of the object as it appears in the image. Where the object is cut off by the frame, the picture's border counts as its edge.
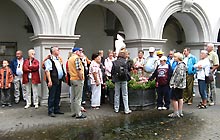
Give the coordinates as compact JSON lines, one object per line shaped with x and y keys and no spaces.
{"x":49,"y":84}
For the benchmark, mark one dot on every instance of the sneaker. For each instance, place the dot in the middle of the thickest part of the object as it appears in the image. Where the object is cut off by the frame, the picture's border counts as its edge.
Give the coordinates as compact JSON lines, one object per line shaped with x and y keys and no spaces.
{"x":27,"y":106}
{"x":181,"y":115}
{"x":9,"y":105}
{"x":164,"y":108}
{"x":194,"y":94}
{"x":116,"y":111}
{"x":3,"y":106}
{"x":16,"y":101}
{"x":159,"y":108}
{"x":128,"y":112}
{"x":173,"y":115}
{"x":211,"y":103}
{"x":36,"y":106}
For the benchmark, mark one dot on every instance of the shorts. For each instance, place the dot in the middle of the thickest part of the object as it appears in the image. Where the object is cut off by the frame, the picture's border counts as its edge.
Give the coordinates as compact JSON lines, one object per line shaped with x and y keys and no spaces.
{"x":176,"y":94}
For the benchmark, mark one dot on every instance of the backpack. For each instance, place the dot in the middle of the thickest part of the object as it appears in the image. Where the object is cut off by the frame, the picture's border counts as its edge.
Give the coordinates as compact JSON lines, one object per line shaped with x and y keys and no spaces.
{"x":120,"y":69}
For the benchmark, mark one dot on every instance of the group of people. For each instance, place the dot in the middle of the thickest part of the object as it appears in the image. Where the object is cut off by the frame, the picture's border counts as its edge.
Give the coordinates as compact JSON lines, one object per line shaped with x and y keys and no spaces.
{"x":175,"y":76}
{"x":24,"y":74}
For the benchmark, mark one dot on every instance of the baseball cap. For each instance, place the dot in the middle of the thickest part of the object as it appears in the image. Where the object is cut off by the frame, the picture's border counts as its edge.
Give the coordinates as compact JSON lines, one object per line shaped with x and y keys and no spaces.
{"x":151,"y":49}
{"x":163,"y":58}
{"x":160,"y":52}
{"x":76,"y":49}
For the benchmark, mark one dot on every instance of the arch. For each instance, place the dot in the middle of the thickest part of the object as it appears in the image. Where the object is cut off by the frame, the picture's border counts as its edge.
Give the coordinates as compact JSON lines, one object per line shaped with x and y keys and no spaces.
{"x":132,"y":15}
{"x":41,"y":14}
{"x":197,"y":19}
{"x":216,"y":31}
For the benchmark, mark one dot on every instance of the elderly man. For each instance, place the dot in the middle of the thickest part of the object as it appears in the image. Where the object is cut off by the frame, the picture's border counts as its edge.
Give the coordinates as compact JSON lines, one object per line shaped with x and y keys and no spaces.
{"x":150,"y":62}
{"x":214,"y":61}
{"x":55,"y":74}
{"x":76,"y":71}
{"x":16,"y":67}
{"x":190,"y":60}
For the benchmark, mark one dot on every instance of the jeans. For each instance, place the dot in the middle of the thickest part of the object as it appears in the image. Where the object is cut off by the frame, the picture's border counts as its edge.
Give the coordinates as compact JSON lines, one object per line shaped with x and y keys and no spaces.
{"x":54,"y":98}
{"x":124,"y":88}
{"x":163,"y":96}
{"x":17,"y":84}
{"x":202,"y":89}
{"x":5,"y":96}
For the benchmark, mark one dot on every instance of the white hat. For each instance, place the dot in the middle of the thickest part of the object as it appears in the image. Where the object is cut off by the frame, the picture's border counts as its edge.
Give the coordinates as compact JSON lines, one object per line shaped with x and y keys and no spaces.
{"x":163,"y":58}
{"x":151,"y":49}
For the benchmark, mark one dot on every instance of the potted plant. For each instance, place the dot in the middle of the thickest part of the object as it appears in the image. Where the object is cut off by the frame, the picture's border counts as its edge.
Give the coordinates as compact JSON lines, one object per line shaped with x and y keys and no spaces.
{"x":141,"y":92}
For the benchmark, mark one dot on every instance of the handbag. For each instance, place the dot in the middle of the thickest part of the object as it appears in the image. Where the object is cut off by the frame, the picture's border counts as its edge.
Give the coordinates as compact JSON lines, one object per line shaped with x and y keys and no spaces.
{"x":209,"y":79}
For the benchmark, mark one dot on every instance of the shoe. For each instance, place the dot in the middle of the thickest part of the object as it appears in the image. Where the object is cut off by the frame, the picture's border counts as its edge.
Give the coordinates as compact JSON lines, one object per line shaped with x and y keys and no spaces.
{"x":202,"y":106}
{"x":36,"y":106}
{"x":81,"y":117}
{"x":52,"y":115}
{"x":16,"y":101}
{"x":83,"y":102}
{"x":128,"y":112}
{"x":116,"y":111}
{"x":194,"y":94}
{"x":173,"y":115}
{"x":27,"y":106}
{"x":9,"y":105}
{"x":159,"y":108}
{"x":3,"y":106}
{"x":58,"y":113}
{"x":181,"y":115}
{"x":211,"y":103}
{"x":164,"y":108}
{"x":189,"y":103}
{"x":74,"y":115}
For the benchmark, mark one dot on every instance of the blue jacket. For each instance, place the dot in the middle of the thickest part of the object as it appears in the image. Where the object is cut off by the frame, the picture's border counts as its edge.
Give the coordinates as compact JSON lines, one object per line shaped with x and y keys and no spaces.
{"x":13,"y":65}
{"x":190,"y":64}
{"x":173,"y":66}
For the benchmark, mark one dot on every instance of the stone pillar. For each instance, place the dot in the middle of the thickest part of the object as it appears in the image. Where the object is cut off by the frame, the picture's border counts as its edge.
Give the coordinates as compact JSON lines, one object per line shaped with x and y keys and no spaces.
{"x":143,"y":44}
{"x":42,"y":45}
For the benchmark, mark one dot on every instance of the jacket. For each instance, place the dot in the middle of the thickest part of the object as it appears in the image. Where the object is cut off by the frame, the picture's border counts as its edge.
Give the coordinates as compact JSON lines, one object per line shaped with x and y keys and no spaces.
{"x":9,"y":78}
{"x":113,"y":72}
{"x":33,"y":69}
{"x":190,"y":65}
{"x":178,"y":79}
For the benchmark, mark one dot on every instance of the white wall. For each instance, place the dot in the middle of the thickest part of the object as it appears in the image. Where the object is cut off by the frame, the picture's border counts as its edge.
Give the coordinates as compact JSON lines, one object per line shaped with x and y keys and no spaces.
{"x":12,"y":26}
{"x":90,"y":26}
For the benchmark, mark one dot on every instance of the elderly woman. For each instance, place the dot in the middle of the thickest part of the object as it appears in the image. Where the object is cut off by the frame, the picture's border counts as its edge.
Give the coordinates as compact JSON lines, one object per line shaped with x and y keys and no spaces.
{"x":177,"y":84}
{"x":31,"y":78}
{"x":203,"y":68}
{"x":96,"y":80}
{"x":108,"y":64}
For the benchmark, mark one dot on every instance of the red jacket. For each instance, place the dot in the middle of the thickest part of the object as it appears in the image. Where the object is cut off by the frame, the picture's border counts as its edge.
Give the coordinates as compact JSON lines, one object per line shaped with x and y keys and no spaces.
{"x":9,"y":78}
{"x":33,"y":69}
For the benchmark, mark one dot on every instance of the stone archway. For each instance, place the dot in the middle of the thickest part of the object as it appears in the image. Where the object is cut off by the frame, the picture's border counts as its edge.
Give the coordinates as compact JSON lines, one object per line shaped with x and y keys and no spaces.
{"x":132,"y":14}
{"x":194,"y":21}
{"x":41,"y":14}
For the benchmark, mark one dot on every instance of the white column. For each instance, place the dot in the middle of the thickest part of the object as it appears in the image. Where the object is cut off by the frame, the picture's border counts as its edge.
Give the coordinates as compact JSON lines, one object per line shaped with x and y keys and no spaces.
{"x":42,"y":45}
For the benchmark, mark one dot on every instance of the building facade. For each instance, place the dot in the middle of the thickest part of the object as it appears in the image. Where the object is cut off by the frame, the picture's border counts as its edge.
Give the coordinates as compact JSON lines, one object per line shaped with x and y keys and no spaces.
{"x":93,"y":24}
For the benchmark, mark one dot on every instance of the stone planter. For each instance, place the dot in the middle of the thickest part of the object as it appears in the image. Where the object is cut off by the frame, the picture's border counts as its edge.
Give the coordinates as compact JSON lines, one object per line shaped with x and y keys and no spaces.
{"x":137,"y":99}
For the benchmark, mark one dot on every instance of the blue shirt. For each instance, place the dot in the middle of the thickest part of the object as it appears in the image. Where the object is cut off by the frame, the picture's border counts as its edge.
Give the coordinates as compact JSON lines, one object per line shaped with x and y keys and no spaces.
{"x":48,"y":66}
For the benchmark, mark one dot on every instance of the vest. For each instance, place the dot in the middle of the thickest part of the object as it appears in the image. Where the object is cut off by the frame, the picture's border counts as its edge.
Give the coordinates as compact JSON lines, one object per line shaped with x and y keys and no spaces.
{"x":72,"y":68}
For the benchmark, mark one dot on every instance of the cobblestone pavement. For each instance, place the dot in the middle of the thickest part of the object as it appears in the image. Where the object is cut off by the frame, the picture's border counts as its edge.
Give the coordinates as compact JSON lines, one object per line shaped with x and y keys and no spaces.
{"x":17,"y":118}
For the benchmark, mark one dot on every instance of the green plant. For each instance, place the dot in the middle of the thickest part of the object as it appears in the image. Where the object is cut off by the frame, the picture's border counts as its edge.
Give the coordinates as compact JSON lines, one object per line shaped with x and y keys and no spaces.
{"x":133,"y":84}
{"x":110,"y":84}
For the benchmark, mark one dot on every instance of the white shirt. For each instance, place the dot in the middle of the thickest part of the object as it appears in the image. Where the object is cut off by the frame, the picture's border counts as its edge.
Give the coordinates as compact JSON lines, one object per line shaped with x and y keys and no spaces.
{"x":201,"y":73}
{"x":19,"y":70}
